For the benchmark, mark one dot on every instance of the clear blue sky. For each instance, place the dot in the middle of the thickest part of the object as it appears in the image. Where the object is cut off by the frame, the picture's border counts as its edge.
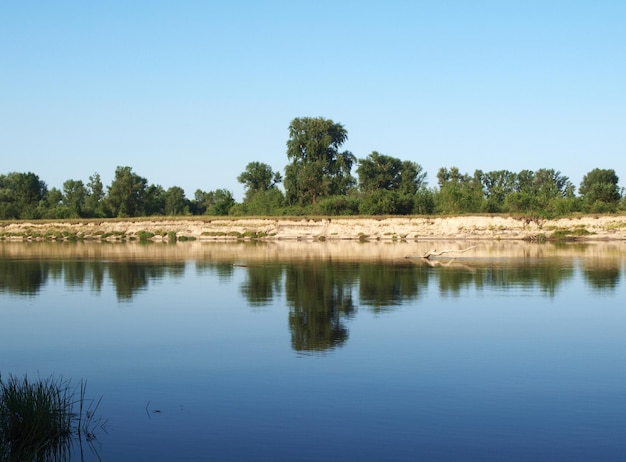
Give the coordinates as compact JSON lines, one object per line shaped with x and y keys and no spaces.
{"x":187,"y":93}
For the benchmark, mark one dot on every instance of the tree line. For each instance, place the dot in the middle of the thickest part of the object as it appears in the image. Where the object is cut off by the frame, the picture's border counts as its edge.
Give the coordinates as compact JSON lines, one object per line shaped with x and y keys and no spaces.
{"x":318,"y":180}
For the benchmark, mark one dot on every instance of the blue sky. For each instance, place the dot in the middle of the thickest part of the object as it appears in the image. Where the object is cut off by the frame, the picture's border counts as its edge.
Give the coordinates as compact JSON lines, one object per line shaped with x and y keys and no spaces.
{"x":187,"y":93}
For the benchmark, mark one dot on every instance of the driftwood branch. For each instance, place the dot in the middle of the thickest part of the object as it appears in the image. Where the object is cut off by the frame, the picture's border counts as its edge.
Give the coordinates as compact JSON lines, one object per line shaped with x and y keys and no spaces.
{"x":438,"y":253}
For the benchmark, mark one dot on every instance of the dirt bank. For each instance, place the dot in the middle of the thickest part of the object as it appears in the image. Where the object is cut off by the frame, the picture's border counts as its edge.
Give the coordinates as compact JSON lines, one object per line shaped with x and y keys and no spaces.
{"x":603,"y":227}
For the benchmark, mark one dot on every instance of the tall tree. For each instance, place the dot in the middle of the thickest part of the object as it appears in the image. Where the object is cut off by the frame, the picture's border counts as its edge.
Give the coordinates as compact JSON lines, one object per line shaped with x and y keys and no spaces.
{"x":127,"y":193}
{"x":317,"y":169}
{"x":74,"y":196}
{"x":94,"y":202}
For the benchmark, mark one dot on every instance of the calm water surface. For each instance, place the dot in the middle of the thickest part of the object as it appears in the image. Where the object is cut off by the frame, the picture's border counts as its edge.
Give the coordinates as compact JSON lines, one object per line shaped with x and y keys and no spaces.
{"x":494,"y":356}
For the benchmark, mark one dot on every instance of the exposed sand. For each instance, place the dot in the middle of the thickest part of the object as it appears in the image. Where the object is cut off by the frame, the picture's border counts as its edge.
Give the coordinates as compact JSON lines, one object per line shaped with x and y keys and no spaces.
{"x":588,"y":228}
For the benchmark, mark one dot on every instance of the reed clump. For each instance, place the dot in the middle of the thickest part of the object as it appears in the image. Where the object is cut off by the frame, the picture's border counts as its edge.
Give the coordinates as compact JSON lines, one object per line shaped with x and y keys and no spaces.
{"x":40,"y":419}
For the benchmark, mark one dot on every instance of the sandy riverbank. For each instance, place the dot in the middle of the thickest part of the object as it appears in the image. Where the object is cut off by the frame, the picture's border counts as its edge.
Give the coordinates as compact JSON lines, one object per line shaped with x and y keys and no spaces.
{"x":602,"y":227}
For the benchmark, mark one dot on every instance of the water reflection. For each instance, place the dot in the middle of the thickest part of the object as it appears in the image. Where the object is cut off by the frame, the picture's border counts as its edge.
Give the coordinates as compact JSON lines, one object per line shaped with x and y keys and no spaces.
{"x":383,"y":286}
{"x":319,"y":296}
{"x":322,"y":294}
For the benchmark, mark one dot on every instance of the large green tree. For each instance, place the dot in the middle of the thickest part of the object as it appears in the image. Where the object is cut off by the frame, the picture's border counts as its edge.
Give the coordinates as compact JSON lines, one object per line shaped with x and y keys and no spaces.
{"x":600,"y":191}
{"x":317,"y":168}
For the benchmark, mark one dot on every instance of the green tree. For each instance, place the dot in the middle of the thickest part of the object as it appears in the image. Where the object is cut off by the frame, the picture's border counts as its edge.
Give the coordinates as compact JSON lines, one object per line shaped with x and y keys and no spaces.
{"x":544,"y":192}
{"x":94,"y":202}
{"x":23,"y":196}
{"x":154,"y":200}
{"x":257,"y":178}
{"x":378,"y":171}
{"x":218,"y":202}
{"x":497,"y":186}
{"x":175,"y":201}
{"x":74,"y":197}
{"x":317,"y":169}
{"x":127,"y":193}
{"x":54,"y":206}
{"x":600,"y":191}
{"x":459,"y":193}
{"x":388,"y":184}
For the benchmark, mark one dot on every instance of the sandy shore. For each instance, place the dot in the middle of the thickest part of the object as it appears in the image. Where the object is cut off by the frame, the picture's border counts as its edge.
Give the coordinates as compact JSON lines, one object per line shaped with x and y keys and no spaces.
{"x":589,"y":228}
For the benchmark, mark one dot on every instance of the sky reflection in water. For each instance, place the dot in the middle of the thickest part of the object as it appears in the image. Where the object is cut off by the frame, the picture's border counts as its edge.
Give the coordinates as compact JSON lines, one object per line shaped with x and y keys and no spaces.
{"x":477,"y":359}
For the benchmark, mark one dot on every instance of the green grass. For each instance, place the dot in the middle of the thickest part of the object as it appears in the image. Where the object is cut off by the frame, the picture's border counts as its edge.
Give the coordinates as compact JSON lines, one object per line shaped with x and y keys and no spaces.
{"x":565,"y":234}
{"x":39,"y":419}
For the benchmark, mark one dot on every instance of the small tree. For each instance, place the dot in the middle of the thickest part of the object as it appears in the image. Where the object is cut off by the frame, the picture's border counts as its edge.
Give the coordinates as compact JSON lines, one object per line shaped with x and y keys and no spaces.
{"x":258,"y":178}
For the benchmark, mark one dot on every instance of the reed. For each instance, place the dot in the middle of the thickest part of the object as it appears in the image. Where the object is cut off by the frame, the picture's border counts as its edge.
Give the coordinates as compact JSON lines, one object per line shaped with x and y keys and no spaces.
{"x":39,"y":419}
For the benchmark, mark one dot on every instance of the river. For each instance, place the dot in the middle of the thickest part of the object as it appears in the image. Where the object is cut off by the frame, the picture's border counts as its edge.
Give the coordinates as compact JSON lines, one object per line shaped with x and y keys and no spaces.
{"x":328,"y":351}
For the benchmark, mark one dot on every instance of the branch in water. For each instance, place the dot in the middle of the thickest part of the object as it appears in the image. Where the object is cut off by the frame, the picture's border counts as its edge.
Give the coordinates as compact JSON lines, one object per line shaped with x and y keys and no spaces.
{"x":436,"y":253}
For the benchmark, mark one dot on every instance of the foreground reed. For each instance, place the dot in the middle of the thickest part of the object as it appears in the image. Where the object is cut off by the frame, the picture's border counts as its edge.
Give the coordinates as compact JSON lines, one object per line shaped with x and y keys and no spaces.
{"x":39,"y":419}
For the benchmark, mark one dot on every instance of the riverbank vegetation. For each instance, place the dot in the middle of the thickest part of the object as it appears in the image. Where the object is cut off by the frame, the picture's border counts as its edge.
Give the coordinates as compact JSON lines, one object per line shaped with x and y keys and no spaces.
{"x":39,"y":420}
{"x":319,"y":180}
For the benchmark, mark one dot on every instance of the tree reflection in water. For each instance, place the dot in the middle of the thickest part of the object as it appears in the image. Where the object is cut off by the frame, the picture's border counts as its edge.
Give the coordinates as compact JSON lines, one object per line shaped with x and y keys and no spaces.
{"x":321,"y":294}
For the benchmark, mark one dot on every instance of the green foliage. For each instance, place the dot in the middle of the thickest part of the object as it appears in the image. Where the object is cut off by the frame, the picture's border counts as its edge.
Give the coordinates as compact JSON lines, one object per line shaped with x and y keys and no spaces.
{"x":339,"y":205}
{"x":388,"y":185}
{"x":318,"y":181}
{"x":258,"y":178}
{"x":378,"y":171}
{"x":385,"y":202}
{"x":175,"y":202}
{"x":265,"y":202}
{"x":217,"y":203}
{"x":600,"y":191}
{"x":95,"y":205}
{"x":22,"y":196}
{"x":145,"y":235}
{"x":459,"y":193}
{"x":424,"y":201}
{"x":38,"y":419}
{"x":565,"y":234}
{"x":74,"y":196}
{"x":127,"y":193}
{"x":317,"y":168}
